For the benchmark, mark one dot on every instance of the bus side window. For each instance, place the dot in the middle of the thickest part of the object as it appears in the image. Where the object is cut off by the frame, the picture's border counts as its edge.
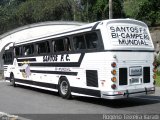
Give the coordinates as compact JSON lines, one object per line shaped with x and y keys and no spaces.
{"x":79,"y":42}
{"x":67,"y":45}
{"x":4,"y":55}
{"x":28,"y":49}
{"x":18,"y":51}
{"x":53,"y":46}
{"x":61,"y":45}
{"x":9,"y":57}
{"x":4,"y":58}
{"x":58,"y":45}
{"x":43,"y":47}
{"x":91,"y":40}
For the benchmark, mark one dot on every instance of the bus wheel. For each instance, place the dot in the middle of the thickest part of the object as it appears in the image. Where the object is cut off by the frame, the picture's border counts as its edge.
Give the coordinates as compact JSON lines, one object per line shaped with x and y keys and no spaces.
{"x":13,"y":81}
{"x":64,"y":88}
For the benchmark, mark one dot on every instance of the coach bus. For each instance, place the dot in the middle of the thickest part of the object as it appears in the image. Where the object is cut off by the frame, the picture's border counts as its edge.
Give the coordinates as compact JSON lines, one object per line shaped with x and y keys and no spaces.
{"x":108,"y":59}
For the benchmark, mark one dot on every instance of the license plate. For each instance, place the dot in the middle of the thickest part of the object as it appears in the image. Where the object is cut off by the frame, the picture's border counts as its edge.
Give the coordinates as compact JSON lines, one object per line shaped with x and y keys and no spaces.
{"x":135,"y":71}
{"x":134,"y":81}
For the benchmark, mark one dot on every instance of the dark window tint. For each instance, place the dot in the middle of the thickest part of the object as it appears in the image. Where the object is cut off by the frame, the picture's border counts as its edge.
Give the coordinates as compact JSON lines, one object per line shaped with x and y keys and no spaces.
{"x":28,"y":50}
{"x":61,"y":45}
{"x":79,"y":42}
{"x":91,"y":40}
{"x":7,"y":57}
{"x":58,"y":45}
{"x":43,"y":47}
{"x":67,"y":45}
{"x":18,"y":51}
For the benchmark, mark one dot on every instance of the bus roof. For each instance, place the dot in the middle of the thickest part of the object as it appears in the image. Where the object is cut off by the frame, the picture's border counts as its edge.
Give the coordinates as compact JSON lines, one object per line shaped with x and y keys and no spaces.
{"x":78,"y":28}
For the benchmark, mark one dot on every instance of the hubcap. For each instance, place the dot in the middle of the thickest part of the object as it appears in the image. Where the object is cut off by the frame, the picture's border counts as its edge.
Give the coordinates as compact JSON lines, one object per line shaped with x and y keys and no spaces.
{"x":64,"y":87}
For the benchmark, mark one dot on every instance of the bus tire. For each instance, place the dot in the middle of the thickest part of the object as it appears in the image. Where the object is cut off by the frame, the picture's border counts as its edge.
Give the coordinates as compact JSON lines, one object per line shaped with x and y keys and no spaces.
{"x":12,"y":80}
{"x":64,"y":88}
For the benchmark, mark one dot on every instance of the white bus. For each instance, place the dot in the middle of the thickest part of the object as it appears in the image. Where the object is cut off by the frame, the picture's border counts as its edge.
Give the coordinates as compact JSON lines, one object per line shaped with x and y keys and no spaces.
{"x":108,"y":59}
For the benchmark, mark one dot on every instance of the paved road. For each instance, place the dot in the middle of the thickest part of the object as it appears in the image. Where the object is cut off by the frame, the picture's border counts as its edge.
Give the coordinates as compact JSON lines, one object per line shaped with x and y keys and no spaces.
{"x":28,"y":102}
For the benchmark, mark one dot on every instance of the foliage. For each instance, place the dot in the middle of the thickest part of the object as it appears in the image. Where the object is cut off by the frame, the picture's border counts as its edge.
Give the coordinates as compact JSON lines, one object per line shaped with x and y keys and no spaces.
{"x":99,"y":9}
{"x":150,"y":11}
{"x":145,"y":10}
{"x":45,"y":10}
{"x":158,"y":79}
{"x":15,"y":13}
{"x":131,"y":7}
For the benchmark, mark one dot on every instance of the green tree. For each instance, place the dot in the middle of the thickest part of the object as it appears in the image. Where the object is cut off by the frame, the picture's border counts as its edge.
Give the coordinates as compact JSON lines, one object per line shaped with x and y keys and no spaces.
{"x":101,"y":9}
{"x":7,"y":11}
{"x":145,"y":10}
{"x":149,"y":12}
{"x":131,"y":7}
{"x":45,"y":10}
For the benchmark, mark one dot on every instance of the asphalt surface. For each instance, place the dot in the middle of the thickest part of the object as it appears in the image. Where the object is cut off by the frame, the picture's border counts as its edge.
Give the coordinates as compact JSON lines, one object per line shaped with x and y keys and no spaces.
{"x":35,"y":104}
